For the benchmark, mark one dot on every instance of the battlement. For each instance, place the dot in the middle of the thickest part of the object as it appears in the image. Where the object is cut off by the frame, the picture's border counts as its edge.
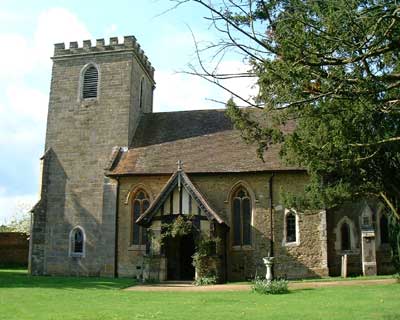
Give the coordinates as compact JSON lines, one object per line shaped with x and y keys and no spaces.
{"x":129,"y":44}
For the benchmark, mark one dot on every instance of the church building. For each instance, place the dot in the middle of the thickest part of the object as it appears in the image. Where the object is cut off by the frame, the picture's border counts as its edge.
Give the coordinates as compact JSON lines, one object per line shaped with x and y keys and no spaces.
{"x":118,"y":177}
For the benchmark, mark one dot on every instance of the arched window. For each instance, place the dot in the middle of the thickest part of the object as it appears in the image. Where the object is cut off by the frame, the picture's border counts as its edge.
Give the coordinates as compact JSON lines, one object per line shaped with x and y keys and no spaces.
{"x":241,"y":209}
{"x":345,"y":237}
{"x":291,"y":232}
{"x":77,"y":242}
{"x":384,"y":229}
{"x":140,"y":204}
{"x":141,"y":98}
{"x":90,"y":82}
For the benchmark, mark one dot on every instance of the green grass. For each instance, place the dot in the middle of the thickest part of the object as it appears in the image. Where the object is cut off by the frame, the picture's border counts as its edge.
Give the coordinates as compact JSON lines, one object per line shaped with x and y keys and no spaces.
{"x":23,"y":297}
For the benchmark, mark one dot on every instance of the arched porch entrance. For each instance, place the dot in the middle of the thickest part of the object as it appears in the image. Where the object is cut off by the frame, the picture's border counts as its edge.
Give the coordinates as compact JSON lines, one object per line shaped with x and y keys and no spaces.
{"x":179,"y":252}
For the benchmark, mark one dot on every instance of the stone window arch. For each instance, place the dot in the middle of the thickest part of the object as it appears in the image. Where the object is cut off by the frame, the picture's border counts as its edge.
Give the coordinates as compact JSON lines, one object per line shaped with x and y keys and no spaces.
{"x":140,"y":201}
{"x":346,"y":236}
{"x":241,"y":217}
{"x":89,"y":82}
{"x":77,"y":242}
{"x":291,"y":234}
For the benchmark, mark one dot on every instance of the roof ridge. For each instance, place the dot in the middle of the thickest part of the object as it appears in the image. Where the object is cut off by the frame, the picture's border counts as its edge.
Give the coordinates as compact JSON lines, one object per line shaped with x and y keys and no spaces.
{"x":186,"y":111}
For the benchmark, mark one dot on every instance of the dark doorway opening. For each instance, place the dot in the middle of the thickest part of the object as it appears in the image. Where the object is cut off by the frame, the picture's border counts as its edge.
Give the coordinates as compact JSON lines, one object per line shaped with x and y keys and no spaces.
{"x":179,"y":252}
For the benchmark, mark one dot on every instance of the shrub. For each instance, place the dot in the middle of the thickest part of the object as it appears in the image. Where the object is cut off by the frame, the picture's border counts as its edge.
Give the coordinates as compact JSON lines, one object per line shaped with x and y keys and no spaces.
{"x":205,"y":281}
{"x":270,"y":287}
{"x":204,"y":258}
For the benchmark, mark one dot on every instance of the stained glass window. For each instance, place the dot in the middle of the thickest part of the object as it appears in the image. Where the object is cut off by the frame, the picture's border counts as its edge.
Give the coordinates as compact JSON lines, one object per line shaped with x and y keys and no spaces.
{"x":139,"y":206}
{"x":291,"y":227}
{"x":345,"y":237}
{"x":78,"y":241}
{"x":241,"y":218}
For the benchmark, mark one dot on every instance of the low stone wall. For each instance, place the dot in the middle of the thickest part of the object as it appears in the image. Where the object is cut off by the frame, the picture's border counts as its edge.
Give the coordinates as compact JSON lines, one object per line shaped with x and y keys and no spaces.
{"x":14,"y":248}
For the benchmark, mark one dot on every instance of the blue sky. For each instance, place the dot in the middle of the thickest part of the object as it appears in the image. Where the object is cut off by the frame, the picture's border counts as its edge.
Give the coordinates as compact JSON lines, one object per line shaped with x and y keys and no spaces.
{"x":28,"y":30}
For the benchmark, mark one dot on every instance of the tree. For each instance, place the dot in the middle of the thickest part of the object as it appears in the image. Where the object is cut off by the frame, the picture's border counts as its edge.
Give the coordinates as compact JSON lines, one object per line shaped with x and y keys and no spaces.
{"x":333,"y":67}
{"x":20,"y":220}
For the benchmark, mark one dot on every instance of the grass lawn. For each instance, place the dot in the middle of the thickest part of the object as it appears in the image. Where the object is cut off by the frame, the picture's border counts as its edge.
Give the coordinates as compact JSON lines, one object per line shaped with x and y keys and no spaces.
{"x":23,"y":298}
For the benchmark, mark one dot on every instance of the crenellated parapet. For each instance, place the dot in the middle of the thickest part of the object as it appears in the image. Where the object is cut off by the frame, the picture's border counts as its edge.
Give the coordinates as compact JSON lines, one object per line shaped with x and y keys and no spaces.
{"x":129,"y":44}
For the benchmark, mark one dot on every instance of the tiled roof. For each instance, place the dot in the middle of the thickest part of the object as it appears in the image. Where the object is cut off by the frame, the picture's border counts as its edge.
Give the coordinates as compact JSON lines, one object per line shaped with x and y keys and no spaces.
{"x":204,"y":140}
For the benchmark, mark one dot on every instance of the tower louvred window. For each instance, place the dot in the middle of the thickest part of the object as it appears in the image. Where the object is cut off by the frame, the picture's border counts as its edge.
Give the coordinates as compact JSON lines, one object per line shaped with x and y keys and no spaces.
{"x":90,"y":83}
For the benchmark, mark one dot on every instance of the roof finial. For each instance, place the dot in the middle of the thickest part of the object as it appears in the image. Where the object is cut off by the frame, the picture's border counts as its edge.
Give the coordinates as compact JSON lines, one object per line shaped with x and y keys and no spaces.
{"x":180,"y":164}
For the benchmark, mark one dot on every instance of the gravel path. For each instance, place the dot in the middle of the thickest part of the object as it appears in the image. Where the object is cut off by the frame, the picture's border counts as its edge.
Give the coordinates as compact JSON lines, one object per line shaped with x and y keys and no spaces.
{"x":186,"y":286}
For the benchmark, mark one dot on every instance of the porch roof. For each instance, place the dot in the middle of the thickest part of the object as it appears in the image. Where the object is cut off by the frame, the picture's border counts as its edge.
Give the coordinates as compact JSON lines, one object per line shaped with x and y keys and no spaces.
{"x":179,"y":178}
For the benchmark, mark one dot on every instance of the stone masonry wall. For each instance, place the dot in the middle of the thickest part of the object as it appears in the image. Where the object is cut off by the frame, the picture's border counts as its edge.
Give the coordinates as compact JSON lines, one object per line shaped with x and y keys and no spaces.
{"x":131,"y":258}
{"x":352,"y":211}
{"x":81,"y":135}
{"x":308,"y":258}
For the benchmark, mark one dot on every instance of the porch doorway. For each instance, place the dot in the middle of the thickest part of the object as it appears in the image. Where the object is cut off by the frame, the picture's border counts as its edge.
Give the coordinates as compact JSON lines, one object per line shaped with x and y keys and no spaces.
{"x":179,"y":252}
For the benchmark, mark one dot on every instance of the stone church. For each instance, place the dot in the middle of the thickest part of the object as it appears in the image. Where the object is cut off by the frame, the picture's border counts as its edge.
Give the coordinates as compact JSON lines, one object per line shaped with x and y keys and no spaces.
{"x":115,"y":173}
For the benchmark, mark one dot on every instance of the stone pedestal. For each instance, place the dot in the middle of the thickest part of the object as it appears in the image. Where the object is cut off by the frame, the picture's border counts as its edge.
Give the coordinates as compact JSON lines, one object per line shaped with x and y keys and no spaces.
{"x":268,"y":261}
{"x":368,"y":255}
{"x":344,"y":266}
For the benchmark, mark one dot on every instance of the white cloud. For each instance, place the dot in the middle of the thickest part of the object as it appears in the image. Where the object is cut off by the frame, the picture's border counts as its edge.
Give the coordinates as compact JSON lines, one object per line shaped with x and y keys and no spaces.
{"x":176,"y":91}
{"x":22,"y":116}
{"x":24,"y":108}
{"x":110,"y":31}
{"x":23,"y":55}
{"x":57,"y":25}
{"x":245,"y":87}
{"x":18,"y":59}
{"x":24,"y":101}
{"x":7,"y":17}
{"x":27,"y":102}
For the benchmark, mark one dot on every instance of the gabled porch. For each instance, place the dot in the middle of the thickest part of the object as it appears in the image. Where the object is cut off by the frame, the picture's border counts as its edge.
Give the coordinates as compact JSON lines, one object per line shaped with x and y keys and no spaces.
{"x":179,"y":221}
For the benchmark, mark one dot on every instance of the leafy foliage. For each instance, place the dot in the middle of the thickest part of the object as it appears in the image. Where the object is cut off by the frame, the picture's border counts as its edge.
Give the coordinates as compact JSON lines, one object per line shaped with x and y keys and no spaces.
{"x":179,"y":227}
{"x":394,"y":238}
{"x":205,"y":281}
{"x":20,"y":220}
{"x":203,"y":260}
{"x":332,"y":69}
{"x":279,"y":286}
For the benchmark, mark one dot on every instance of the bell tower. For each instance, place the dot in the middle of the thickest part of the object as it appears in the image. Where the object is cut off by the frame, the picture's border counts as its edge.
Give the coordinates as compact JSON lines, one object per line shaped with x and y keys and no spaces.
{"x":97,"y":96}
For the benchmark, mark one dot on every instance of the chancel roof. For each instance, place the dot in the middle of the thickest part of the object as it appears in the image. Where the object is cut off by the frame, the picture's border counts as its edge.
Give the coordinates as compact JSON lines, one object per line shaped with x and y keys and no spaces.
{"x":205,"y":140}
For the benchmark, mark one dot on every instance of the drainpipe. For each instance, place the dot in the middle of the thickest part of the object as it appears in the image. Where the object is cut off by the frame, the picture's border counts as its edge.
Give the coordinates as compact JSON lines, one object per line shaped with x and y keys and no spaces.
{"x":225,"y":255}
{"x":271,"y":216}
{"x":116,"y":232}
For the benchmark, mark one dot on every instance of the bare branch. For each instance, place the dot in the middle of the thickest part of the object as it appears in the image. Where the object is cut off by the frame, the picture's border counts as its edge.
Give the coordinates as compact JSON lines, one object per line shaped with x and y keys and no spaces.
{"x":388,"y":140}
{"x":390,"y":205}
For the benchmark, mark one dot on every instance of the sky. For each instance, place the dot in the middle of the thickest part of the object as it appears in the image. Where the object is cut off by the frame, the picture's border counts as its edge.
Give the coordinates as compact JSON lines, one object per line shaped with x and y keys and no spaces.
{"x":28,"y":31}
